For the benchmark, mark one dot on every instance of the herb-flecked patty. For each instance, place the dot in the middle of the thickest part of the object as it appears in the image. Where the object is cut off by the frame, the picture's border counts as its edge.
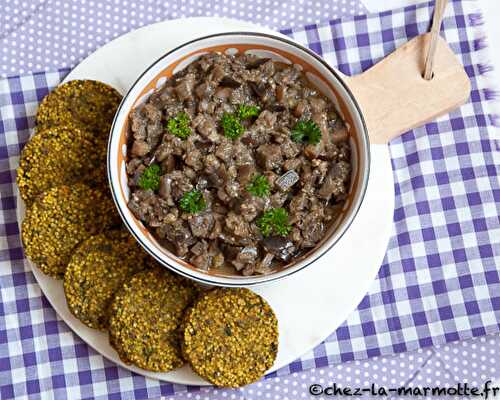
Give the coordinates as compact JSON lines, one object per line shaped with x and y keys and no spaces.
{"x":97,"y":269}
{"x":145,"y":319}
{"x":59,"y":220}
{"x":230,"y":337}
{"x":86,"y":103}
{"x":61,"y":156}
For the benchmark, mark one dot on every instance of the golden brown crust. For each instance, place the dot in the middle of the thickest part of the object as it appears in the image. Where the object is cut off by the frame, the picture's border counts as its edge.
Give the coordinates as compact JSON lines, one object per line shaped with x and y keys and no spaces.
{"x":230,"y":337}
{"x":59,"y":220}
{"x":145,"y":318}
{"x":97,"y":270}
{"x":88,"y":104}
{"x":61,"y":156}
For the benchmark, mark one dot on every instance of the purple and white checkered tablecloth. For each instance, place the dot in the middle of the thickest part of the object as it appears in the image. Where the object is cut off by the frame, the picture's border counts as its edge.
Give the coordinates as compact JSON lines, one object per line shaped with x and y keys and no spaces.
{"x":439,"y":281}
{"x":43,"y":35}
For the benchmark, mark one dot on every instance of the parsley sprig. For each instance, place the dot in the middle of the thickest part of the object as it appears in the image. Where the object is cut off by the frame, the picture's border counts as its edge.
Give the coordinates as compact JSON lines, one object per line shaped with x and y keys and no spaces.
{"x":231,"y":122}
{"x":179,"y":125}
{"x":192,"y":202}
{"x":274,"y":221}
{"x":150,"y":178}
{"x":259,"y":186}
{"x":246,"y":111}
{"x":306,"y":132}
{"x":231,"y":126}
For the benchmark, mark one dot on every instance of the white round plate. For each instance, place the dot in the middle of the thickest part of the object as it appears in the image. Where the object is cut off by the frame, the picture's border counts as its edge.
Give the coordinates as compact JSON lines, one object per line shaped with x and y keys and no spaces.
{"x":310,"y":304}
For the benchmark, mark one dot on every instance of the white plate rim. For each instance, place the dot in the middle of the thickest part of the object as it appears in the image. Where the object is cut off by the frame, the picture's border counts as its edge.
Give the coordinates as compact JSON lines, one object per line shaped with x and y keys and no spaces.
{"x":381,"y":174}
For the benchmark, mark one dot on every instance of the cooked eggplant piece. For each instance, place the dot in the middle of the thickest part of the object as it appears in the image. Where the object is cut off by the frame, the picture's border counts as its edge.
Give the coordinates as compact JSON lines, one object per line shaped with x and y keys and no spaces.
{"x":229,"y":82}
{"x":279,"y":246}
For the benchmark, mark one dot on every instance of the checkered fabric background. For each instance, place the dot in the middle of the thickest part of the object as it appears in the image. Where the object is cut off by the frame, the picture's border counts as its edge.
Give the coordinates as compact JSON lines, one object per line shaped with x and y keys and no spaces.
{"x":439,"y":281}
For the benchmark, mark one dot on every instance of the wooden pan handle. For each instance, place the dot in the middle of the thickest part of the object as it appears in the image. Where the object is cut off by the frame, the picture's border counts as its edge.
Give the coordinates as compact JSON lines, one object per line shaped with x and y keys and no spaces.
{"x":436,"y":26}
{"x":394,"y":97}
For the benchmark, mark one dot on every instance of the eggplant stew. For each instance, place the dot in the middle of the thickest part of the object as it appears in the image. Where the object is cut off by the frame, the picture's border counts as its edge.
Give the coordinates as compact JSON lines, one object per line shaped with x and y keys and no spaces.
{"x":238,"y":163}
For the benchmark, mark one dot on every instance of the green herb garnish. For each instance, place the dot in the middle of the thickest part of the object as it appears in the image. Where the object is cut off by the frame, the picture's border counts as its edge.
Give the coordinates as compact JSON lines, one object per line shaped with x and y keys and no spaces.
{"x":179,"y":125}
{"x":192,"y":202}
{"x":259,"y":186}
{"x":306,"y":131}
{"x":246,"y":111}
{"x":231,"y":125}
{"x":274,"y":221}
{"x":150,"y":178}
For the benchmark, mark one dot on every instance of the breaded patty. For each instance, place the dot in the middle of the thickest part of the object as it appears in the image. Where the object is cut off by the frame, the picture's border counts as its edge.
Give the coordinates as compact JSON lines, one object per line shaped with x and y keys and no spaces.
{"x":86,"y":103}
{"x":98,"y":268}
{"x":61,"y":156}
{"x":145,"y":319}
{"x":230,"y":337}
{"x":60,"y":219}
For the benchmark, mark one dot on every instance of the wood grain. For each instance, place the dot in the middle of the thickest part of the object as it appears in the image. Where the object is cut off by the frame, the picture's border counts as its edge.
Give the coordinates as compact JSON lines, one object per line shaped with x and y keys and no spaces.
{"x":436,"y":26}
{"x":394,"y":97}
